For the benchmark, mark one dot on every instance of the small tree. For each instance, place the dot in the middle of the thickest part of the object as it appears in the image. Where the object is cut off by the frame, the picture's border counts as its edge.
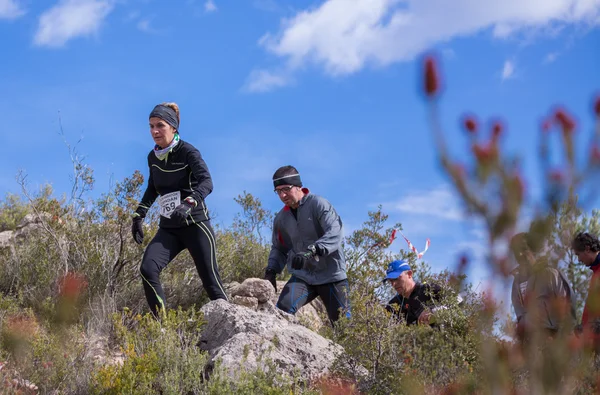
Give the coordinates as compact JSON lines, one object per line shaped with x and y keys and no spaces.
{"x":244,"y":248}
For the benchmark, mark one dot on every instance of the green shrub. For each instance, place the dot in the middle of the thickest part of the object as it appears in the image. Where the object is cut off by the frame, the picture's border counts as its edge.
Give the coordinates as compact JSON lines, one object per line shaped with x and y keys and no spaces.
{"x":159,"y":357}
{"x":54,"y":360}
{"x":12,"y":212}
{"x":259,"y":381}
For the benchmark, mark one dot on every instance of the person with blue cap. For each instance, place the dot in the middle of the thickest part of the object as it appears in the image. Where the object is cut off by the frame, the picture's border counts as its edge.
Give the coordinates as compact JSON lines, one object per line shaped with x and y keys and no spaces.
{"x":415,"y":302}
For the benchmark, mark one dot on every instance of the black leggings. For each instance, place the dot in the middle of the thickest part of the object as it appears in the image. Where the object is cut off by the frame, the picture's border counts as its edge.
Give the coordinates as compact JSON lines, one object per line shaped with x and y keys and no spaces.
{"x":296,"y":293}
{"x":199,"y":239}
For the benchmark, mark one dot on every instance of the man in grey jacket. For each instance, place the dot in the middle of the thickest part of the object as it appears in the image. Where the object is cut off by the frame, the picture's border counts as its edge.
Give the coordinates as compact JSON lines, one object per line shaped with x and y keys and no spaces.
{"x":541,"y":295}
{"x":307,"y":237}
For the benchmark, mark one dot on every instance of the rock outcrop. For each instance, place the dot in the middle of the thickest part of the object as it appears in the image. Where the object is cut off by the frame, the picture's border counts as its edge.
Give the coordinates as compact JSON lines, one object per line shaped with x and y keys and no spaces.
{"x":29,"y":224}
{"x":238,"y":337}
{"x":259,"y":295}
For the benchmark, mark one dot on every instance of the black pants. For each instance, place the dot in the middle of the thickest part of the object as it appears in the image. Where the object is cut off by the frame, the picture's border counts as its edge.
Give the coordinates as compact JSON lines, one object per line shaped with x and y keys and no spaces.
{"x":296,"y":293}
{"x":199,"y":239}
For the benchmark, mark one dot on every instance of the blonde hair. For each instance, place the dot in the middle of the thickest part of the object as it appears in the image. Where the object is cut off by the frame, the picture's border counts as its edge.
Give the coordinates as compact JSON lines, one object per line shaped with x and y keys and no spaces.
{"x":174,"y":107}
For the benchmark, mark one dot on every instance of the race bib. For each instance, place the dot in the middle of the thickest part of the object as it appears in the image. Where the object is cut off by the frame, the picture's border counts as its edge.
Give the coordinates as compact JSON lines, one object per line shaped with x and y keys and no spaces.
{"x":168,"y":202}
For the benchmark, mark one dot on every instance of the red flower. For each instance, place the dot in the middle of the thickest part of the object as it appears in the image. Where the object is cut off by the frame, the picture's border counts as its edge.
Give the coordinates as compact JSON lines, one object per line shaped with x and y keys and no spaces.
{"x":431,"y":82}
{"x":497,"y":129}
{"x":71,"y":285}
{"x":470,"y":123}
{"x":482,"y":153}
{"x":565,"y":120}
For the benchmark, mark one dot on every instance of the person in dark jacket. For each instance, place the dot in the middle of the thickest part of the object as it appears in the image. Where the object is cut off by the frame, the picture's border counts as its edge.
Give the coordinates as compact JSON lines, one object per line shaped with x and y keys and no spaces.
{"x":541,"y":295}
{"x":415,"y":302}
{"x":180,"y":180}
{"x":307,"y":237}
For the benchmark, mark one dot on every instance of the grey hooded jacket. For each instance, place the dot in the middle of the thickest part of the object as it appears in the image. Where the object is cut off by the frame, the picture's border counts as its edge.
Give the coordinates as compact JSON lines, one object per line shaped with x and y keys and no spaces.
{"x":543,"y":286}
{"x":318,"y":223}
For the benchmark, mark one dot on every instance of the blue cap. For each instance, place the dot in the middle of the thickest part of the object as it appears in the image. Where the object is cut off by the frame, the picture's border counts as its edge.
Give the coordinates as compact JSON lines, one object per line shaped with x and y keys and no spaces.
{"x":395,"y":269}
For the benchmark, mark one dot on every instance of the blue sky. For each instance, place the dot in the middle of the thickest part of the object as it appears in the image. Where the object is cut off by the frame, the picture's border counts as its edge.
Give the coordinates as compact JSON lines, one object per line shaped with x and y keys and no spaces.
{"x":331,"y":87}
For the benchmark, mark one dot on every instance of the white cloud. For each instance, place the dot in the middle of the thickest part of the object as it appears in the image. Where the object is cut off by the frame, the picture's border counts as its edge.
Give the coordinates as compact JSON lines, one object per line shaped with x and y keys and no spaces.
{"x":265,"y":80}
{"x":10,"y":9}
{"x":449,"y":53}
{"x":144,"y":25}
{"x":132,"y":16}
{"x":69,"y":19}
{"x":551,"y":57}
{"x":210,"y":6}
{"x":508,"y":70}
{"x":344,"y":36}
{"x":440,"y":202}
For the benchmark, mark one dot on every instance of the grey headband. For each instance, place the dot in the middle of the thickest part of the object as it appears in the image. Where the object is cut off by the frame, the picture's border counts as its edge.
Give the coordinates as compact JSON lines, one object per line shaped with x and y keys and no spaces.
{"x":292,"y":179}
{"x":167,"y":114}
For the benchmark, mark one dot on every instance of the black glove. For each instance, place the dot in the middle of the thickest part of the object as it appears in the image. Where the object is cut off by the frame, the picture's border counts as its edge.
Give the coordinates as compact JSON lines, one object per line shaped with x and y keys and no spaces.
{"x":183,"y":210}
{"x":272,"y":277}
{"x":300,"y":259}
{"x":137,"y":229}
